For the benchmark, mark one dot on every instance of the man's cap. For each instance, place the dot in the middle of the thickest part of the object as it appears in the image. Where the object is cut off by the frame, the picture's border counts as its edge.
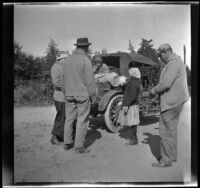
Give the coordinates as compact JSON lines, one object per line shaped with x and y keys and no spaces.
{"x":97,"y":59}
{"x":162,"y":48}
{"x":82,"y":42}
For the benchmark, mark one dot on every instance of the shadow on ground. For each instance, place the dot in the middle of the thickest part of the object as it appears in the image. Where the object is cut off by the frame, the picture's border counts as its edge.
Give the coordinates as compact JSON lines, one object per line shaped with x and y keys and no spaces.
{"x":98,"y":123}
{"x":148,"y":120}
{"x":93,"y":134}
{"x":154,"y":144}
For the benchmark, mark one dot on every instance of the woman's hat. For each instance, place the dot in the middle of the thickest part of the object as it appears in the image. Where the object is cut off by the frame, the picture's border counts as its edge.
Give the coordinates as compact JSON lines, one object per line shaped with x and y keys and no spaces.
{"x":134,"y":72}
{"x":82,"y":42}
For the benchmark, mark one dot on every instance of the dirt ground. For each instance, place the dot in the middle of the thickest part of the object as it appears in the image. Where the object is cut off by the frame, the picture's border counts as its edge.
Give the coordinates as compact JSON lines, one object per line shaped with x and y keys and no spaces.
{"x":36,"y":160}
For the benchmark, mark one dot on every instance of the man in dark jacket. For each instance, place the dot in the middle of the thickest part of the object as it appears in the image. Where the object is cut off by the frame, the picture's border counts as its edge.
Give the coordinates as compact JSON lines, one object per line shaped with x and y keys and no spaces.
{"x":79,"y":86}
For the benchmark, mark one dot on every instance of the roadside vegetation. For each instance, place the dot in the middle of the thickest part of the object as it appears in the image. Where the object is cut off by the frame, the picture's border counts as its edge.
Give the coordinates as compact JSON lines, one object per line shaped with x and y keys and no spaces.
{"x":32,"y":79}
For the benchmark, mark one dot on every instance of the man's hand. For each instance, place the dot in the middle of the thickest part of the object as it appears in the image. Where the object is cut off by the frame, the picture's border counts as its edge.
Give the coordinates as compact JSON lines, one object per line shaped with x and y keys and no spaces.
{"x":153,"y":91}
{"x":150,"y":93}
{"x":145,"y":94}
{"x":125,"y":109}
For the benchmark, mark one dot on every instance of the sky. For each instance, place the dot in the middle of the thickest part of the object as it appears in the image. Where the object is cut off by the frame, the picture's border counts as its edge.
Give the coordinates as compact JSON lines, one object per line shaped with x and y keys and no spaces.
{"x":108,"y":26}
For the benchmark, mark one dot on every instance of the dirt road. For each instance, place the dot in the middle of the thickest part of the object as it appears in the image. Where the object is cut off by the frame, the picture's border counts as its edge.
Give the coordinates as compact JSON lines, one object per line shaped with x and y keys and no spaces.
{"x":36,"y":160}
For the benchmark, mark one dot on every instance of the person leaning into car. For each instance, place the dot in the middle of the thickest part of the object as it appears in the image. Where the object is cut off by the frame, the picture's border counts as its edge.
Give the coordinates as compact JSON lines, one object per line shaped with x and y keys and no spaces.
{"x":173,"y":91}
{"x":56,"y":75}
{"x":78,"y":86}
{"x":99,"y":66}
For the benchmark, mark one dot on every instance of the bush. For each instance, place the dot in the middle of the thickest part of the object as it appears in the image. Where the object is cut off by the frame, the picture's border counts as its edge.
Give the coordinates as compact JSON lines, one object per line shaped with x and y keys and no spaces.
{"x":34,"y":93}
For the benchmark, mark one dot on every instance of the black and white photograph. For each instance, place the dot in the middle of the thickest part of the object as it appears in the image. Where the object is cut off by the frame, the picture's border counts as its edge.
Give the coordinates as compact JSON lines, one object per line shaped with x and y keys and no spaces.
{"x":102,"y":94}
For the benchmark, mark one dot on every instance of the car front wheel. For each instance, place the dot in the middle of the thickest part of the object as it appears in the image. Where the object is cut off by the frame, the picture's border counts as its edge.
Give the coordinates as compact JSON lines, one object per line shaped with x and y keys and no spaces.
{"x":112,"y":113}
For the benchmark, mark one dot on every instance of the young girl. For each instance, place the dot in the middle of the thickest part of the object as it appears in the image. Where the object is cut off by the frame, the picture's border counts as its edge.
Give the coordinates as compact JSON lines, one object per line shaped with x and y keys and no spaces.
{"x":130,"y":112}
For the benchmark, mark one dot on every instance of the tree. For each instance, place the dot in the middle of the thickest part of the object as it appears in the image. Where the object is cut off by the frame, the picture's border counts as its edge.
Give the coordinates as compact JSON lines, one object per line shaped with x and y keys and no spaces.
{"x":51,"y":54}
{"x":97,"y":53}
{"x":26,"y":67}
{"x":19,"y":56}
{"x":34,"y":67}
{"x":104,"y":51}
{"x":131,"y":48}
{"x":146,"y":49}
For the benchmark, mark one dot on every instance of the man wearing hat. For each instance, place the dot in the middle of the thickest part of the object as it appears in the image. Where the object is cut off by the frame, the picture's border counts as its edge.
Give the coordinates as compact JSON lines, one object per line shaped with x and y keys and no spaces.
{"x":78,"y":86}
{"x":56,"y":75}
{"x":173,"y":91}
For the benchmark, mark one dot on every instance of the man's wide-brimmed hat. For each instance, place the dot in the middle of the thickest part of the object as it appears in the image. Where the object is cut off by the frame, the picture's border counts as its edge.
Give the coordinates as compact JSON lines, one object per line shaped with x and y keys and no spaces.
{"x":82,"y":42}
{"x":163,"y":48}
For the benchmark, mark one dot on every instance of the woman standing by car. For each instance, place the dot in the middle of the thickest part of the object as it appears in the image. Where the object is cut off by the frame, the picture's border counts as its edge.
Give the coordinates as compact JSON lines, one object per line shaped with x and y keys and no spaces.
{"x":129,"y":114}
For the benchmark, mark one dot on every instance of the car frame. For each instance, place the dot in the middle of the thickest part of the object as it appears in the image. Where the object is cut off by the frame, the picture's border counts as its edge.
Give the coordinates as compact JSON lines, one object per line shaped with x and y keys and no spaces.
{"x":109,"y":99}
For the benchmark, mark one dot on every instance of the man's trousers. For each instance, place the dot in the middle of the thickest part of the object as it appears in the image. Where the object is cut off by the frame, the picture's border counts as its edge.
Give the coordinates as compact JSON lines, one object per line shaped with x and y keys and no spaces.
{"x":76,"y":108}
{"x":168,"y":133}
{"x":58,"y":128}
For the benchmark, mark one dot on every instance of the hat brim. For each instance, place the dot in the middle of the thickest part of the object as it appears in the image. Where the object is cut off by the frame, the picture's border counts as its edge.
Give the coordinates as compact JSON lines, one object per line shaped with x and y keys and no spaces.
{"x":82,"y":44}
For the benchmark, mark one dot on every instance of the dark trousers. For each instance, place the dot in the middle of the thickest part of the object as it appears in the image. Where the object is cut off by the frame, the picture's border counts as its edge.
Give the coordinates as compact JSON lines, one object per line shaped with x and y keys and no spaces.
{"x":58,"y":128}
{"x":168,"y":133}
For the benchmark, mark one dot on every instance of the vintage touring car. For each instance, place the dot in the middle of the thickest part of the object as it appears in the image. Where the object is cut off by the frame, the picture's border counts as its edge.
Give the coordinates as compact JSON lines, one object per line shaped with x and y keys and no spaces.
{"x":109,"y":100}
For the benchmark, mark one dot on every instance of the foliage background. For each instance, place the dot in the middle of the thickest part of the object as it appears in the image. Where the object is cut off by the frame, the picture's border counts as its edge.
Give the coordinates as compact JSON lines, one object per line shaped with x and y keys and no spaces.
{"x":32,"y":79}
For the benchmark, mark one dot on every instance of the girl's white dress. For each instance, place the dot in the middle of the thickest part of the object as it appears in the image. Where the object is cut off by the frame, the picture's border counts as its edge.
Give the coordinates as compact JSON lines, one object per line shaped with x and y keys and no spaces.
{"x":131,"y":118}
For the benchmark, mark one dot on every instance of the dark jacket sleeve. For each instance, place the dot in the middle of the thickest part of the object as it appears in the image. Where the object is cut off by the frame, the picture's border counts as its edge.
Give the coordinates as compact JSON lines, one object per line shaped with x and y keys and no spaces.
{"x":131,"y":93}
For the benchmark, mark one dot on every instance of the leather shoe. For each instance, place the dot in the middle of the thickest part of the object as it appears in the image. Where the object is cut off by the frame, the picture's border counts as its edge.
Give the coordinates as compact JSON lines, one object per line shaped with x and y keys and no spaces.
{"x":132,"y":142}
{"x":162,"y":164}
{"x":81,"y":150}
{"x":162,"y":160}
{"x":68,"y":146}
{"x":54,"y":140}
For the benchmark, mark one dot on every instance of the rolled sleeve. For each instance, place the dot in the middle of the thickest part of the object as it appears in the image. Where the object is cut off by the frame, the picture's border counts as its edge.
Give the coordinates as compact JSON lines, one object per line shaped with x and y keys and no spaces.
{"x":168,"y":77}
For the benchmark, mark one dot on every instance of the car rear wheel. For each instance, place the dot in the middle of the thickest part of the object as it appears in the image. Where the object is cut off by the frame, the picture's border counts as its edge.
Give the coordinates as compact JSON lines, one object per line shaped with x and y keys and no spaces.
{"x":112,"y":113}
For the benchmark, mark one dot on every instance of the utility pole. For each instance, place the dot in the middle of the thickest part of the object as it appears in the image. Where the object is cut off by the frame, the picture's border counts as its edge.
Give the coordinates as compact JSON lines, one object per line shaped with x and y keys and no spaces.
{"x":184,"y":53}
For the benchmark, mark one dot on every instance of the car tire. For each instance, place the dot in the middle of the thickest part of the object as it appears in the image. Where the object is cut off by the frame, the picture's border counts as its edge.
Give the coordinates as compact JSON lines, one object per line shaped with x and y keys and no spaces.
{"x":112,"y":112}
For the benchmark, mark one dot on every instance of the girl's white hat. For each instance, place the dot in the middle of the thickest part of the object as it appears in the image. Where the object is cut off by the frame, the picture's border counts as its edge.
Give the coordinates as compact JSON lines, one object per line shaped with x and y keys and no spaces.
{"x":134,"y":72}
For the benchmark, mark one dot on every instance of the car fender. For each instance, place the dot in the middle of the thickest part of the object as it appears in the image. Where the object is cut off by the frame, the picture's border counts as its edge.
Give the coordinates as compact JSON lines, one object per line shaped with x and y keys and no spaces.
{"x":106,"y":98}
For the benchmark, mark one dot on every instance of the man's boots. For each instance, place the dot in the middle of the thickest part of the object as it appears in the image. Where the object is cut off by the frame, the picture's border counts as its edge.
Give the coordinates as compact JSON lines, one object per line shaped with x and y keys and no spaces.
{"x":134,"y":139}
